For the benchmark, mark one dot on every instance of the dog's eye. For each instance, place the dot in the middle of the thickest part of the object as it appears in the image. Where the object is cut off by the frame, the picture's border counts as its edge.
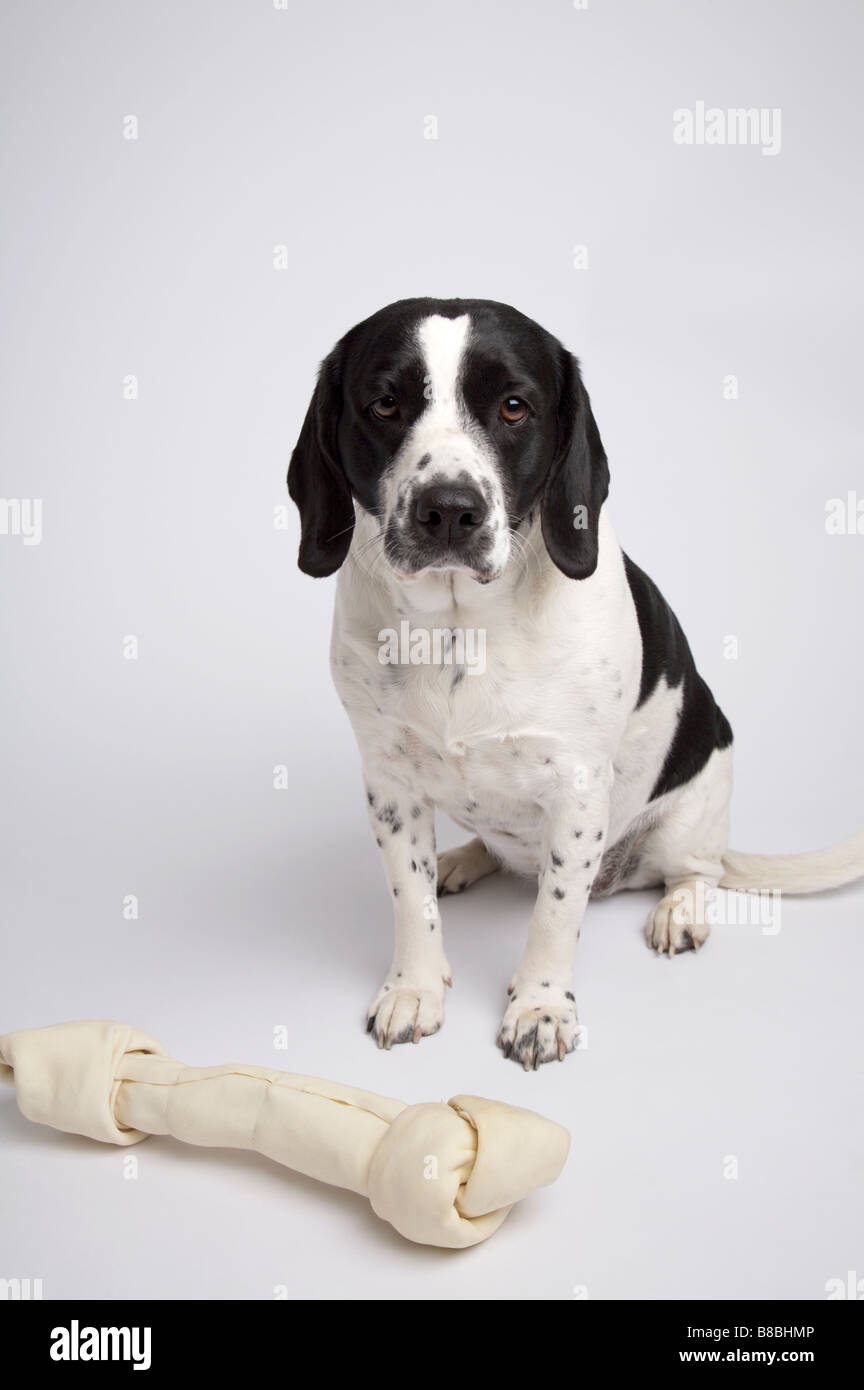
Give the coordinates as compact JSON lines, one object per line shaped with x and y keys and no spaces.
{"x":385,"y":408}
{"x":513,"y":409}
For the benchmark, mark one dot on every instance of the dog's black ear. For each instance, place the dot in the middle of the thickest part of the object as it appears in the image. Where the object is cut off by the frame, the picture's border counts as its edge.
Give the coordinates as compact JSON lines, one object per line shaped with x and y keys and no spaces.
{"x":578,"y":481}
{"x":316,"y":479}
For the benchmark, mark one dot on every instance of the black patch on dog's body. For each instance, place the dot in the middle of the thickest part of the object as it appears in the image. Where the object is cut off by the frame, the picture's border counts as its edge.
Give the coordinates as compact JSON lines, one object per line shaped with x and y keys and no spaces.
{"x":702,"y":725}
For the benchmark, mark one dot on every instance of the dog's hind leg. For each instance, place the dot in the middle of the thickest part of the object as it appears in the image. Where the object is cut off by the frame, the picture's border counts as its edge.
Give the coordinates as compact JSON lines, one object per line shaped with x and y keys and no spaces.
{"x":685,"y":852}
{"x":459,"y":868}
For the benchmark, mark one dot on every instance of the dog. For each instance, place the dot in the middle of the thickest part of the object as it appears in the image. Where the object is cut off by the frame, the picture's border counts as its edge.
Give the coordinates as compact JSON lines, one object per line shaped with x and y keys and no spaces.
{"x":450,"y":468}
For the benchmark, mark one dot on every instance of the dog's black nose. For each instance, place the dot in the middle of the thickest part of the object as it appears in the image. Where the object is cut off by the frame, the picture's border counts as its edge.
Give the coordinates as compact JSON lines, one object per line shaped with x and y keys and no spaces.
{"x":449,"y":514}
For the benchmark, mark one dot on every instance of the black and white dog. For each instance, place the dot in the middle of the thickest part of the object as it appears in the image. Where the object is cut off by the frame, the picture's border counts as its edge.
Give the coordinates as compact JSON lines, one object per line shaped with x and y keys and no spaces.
{"x":450,"y":464}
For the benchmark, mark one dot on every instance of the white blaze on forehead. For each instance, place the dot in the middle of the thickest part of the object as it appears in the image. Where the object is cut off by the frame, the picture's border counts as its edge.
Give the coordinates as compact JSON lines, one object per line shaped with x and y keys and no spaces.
{"x":442,"y":343}
{"x":446,"y":438}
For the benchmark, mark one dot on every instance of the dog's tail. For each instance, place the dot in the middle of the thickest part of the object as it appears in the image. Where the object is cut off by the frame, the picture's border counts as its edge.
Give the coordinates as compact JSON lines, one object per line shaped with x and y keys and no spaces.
{"x":797,"y":873}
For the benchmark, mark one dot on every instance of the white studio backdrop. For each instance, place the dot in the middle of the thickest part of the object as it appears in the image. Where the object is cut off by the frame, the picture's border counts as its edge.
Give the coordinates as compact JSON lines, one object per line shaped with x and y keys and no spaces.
{"x":199,"y":198}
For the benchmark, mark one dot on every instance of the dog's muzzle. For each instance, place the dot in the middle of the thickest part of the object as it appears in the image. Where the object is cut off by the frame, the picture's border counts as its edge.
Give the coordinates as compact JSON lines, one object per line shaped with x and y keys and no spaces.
{"x":442,"y":524}
{"x":448,"y":518}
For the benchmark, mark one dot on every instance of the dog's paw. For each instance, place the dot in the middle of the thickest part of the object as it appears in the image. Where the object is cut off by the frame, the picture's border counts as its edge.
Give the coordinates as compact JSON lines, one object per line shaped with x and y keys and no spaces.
{"x":403,"y":1014}
{"x":459,"y":868}
{"x":680,"y":922}
{"x":539,"y":1025}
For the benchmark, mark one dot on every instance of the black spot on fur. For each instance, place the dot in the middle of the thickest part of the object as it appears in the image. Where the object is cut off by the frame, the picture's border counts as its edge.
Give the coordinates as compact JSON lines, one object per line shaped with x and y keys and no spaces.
{"x":558,"y":893}
{"x":389,"y":815}
{"x":557,"y":859}
{"x":568,"y":995}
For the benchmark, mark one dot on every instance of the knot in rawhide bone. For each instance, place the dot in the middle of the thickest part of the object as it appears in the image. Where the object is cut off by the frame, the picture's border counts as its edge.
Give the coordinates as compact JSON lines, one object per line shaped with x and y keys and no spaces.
{"x":441,"y":1174}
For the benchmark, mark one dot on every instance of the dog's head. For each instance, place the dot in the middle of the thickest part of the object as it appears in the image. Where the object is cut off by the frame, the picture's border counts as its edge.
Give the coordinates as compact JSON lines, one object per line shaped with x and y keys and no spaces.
{"x":449,"y":422}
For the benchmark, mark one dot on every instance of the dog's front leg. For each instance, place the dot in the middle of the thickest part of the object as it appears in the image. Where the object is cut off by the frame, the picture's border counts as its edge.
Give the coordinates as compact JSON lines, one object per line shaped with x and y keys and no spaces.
{"x":410,"y":1003}
{"x":540,"y":1021}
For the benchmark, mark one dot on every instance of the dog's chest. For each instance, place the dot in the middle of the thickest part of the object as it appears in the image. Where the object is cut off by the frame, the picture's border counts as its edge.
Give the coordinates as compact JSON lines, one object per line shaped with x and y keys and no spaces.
{"x":490,"y":747}
{"x":494,"y":786}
